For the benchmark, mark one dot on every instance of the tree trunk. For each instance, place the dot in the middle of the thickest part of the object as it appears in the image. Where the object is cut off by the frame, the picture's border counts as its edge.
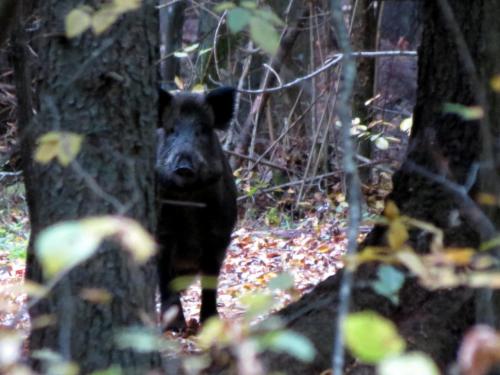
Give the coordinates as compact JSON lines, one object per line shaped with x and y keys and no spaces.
{"x":171,"y":23}
{"x":448,"y":146}
{"x":364,"y":38}
{"x":8,"y":15}
{"x":105,"y":88}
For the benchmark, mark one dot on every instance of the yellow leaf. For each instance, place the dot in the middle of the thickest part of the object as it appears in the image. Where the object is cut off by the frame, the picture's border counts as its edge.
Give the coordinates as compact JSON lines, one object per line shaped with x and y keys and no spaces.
{"x":134,"y":238}
{"x":413,"y":262}
{"x":137,"y":241}
{"x":495,"y":83}
{"x":64,"y":245}
{"x":369,"y":254}
{"x":44,"y":320}
{"x":63,"y":145}
{"x":77,"y":21}
{"x":484,"y":279}
{"x":391,"y":211}
{"x":214,"y":331}
{"x":199,"y":87}
{"x":103,"y":19}
{"x":397,"y":234}
{"x":96,"y":295}
{"x":47,"y":148}
{"x":457,"y":257}
{"x":69,"y":147}
{"x":33,"y":289}
{"x":487,"y":199}
{"x":324,"y":248}
{"x":123,"y":6}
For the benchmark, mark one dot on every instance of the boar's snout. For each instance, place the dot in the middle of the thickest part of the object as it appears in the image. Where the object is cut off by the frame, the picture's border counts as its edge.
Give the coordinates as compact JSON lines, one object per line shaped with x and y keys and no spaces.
{"x":184,"y":168}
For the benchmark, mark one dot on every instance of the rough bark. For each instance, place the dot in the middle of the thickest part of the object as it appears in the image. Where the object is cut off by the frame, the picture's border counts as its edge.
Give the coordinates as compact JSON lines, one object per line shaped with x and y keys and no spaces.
{"x":444,"y":144}
{"x":105,"y":88}
{"x":489,"y":176}
{"x":364,"y":38}
{"x":171,"y":22}
{"x":8,"y":15}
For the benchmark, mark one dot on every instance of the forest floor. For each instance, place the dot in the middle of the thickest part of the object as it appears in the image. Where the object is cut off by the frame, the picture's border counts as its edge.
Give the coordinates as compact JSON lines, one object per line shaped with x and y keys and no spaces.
{"x":308,"y":251}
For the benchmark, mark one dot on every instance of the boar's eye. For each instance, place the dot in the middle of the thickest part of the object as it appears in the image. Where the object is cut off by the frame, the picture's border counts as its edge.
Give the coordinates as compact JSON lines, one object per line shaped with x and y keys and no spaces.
{"x":205,"y":129}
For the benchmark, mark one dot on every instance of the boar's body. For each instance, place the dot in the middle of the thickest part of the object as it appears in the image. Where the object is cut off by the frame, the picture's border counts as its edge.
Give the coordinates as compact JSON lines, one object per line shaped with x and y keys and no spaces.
{"x":196,"y":192}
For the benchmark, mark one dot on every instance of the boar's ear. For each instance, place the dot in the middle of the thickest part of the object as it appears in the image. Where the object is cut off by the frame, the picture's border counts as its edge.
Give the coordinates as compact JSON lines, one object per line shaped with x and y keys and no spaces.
{"x":222,"y":102}
{"x":164,"y":101}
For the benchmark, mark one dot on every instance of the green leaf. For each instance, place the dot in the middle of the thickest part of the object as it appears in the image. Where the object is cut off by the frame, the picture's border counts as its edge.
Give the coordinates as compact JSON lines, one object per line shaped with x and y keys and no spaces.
{"x":122,"y":6}
{"x":214,"y":331}
{"x":414,"y":363}
{"x":256,"y":304}
{"x":54,"y":363}
{"x":113,"y":370}
{"x":264,"y":34}
{"x":181,"y":54}
{"x":192,"y":47}
{"x":273,"y":217}
{"x":182,"y":282}
{"x":225,"y":5}
{"x":77,"y":21}
{"x":130,"y":234}
{"x":142,"y":340}
{"x":467,"y":113}
{"x":62,"y":246}
{"x":269,"y":15}
{"x":289,"y":342}
{"x":370,"y":337}
{"x":204,"y":51}
{"x":283,"y":281}
{"x":389,"y":282}
{"x":237,"y":19}
{"x":249,"y":4}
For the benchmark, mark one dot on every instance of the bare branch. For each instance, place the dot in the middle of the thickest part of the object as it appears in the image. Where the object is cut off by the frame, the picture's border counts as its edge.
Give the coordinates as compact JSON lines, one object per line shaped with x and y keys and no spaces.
{"x":336,"y":59}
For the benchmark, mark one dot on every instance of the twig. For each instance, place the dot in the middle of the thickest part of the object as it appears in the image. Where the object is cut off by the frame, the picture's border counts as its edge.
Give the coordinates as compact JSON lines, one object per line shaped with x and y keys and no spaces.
{"x":470,"y":210}
{"x":337,"y":58}
{"x":306,"y":180}
{"x":352,"y":180}
{"x":283,"y":134}
{"x":172,"y":202}
{"x":490,"y":183}
{"x":259,"y":160}
{"x":216,"y":37}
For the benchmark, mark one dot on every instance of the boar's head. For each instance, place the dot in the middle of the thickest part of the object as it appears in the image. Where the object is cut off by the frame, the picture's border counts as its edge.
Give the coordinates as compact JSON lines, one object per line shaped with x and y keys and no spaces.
{"x":189,"y":155}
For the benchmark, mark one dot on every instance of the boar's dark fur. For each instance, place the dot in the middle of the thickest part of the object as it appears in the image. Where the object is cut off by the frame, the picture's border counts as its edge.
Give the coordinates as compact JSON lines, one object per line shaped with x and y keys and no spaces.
{"x":195,"y":190}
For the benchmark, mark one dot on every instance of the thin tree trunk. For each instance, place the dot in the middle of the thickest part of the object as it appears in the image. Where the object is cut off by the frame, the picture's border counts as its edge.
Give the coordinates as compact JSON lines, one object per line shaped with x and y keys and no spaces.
{"x":364,"y":38}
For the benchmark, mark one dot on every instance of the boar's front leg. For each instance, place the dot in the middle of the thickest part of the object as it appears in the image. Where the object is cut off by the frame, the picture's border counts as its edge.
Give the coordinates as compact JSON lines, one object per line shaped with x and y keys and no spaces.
{"x":211,"y":263}
{"x":168,"y":297}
